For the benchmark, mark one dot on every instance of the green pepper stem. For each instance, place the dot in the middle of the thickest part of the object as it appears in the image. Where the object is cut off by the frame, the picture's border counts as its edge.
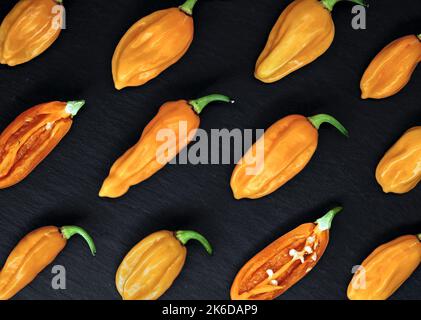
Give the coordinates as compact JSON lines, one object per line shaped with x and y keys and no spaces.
{"x":419,"y":236}
{"x":419,"y":36}
{"x":325,"y":222}
{"x":329,"y":4}
{"x":70,"y":231}
{"x":199,"y":104}
{"x":319,"y":119}
{"x":73,"y":107}
{"x":187,"y":235}
{"x":187,"y":7}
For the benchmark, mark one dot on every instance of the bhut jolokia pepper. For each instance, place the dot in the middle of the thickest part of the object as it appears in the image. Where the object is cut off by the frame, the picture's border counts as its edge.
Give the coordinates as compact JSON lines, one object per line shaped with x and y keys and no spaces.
{"x":399,"y":171}
{"x":153,"y":44}
{"x":392,"y":68}
{"x":164,"y":137}
{"x":31,"y":137}
{"x":386,"y":269}
{"x":151,"y":267}
{"x":29,"y":29}
{"x":303,"y":32}
{"x":33,"y":254}
{"x":283,"y":263}
{"x":277,"y":157}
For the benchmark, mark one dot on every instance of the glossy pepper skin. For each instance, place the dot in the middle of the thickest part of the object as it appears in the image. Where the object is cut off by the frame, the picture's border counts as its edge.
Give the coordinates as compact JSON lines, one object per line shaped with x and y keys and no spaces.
{"x":392,"y":68}
{"x":400,"y":169}
{"x":303,"y":32}
{"x":31,"y":137}
{"x":153,"y":44}
{"x":33,"y":254}
{"x":287,"y":147}
{"x":386,"y":269}
{"x":150,"y":154}
{"x":151,"y":267}
{"x":284,"y":262}
{"x":28,"y":30}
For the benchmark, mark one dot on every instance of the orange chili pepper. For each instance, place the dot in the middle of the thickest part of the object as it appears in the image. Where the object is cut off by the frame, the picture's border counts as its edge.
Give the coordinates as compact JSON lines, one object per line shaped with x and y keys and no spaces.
{"x":303,"y":32}
{"x":33,"y":254}
{"x":163,"y":138}
{"x":399,"y":171}
{"x":153,"y":44}
{"x":31,"y":137}
{"x":29,"y":29}
{"x":392,"y":68}
{"x":151,"y":267}
{"x":386,"y":269}
{"x":279,"y":155}
{"x":283,"y":263}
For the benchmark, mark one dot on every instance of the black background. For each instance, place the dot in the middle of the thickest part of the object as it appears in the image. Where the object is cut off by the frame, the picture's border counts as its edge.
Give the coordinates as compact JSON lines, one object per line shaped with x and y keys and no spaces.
{"x":229,"y":36}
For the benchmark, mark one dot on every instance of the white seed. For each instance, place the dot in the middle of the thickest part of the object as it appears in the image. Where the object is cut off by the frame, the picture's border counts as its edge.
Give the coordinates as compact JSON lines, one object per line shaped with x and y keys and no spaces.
{"x":48,"y":126}
{"x":308,"y":249}
{"x":269,"y":273}
{"x":314,"y":257}
{"x":274,"y":282}
{"x":293,"y":252}
{"x":311,"y":239}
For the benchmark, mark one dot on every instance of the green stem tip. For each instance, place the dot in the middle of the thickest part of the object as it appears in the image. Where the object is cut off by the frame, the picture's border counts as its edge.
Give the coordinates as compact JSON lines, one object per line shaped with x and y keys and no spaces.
{"x":325,"y":222}
{"x":319,"y":119}
{"x":419,"y":36}
{"x":187,"y":7}
{"x":187,"y":235}
{"x":419,"y":236}
{"x":329,"y":4}
{"x":70,"y":231}
{"x":199,"y":104}
{"x":73,"y":107}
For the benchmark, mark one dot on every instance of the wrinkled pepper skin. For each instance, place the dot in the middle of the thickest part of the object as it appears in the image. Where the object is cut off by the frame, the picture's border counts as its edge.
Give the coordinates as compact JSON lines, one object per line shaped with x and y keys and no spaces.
{"x":392,"y":68}
{"x":283,"y":263}
{"x":386,"y":269}
{"x":31,"y":137}
{"x":149,"y":155}
{"x":33,"y":254}
{"x":28,"y":30}
{"x":400,"y":169}
{"x":303,"y":32}
{"x":287,"y":147}
{"x":153,"y":44}
{"x":151,"y":267}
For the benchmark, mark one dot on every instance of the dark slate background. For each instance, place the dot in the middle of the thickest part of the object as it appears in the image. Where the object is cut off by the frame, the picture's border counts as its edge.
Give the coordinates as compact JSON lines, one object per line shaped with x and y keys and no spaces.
{"x":229,"y":37}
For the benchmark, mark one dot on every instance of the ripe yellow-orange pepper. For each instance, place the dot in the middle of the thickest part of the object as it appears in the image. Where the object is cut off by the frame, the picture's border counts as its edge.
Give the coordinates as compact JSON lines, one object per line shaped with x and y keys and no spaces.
{"x":151,"y":267}
{"x":33,"y":254}
{"x":392,"y":68}
{"x":399,"y":171}
{"x":29,"y":29}
{"x":31,"y":137}
{"x":283,"y":263}
{"x":277,"y":157}
{"x":303,"y":32}
{"x":164,"y":137}
{"x":386,"y":269}
{"x":153,"y":44}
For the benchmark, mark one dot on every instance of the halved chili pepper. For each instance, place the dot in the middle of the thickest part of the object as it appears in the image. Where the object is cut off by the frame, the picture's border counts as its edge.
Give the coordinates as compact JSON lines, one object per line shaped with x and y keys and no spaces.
{"x":277,"y":157}
{"x":303,"y":32}
{"x":386,"y":269}
{"x":153,"y":44}
{"x":283,"y":263}
{"x":29,"y":29}
{"x":33,"y":254}
{"x":31,"y":137}
{"x":150,"y":154}
{"x":151,"y":267}
{"x":391,"y":70}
